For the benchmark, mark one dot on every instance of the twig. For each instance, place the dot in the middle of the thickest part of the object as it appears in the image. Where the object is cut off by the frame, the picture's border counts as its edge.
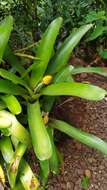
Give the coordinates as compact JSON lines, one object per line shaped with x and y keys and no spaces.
{"x":27,"y":56}
{"x":26,"y":48}
{"x":66,"y":101}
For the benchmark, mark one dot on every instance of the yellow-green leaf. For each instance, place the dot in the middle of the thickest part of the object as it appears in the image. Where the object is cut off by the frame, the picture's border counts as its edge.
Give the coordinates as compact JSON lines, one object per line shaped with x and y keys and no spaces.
{"x":81,"y":90}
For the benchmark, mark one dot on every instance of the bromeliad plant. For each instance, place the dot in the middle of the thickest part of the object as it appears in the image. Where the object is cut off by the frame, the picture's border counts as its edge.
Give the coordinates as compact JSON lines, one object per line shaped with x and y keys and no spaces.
{"x":34,"y":89}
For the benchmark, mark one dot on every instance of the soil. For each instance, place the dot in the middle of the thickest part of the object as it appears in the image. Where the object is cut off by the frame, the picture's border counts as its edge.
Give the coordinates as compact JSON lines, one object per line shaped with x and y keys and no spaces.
{"x":91,"y":117}
{"x":79,"y":159}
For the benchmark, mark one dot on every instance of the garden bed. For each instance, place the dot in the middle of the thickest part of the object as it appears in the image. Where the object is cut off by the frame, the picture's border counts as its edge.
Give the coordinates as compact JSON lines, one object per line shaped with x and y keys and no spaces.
{"x":90,"y":117}
{"x":33,"y":90}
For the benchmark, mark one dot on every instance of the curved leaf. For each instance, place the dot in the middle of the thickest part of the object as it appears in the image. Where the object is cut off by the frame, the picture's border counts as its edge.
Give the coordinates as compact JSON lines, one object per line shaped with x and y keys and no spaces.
{"x":12,"y":168}
{"x":64,"y":52}
{"x":44,"y":171}
{"x":27,"y":176}
{"x":44,"y":51}
{"x":85,"y":138}
{"x":5,"y":29}
{"x":17,"y":130}
{"x":14,"y":78}
{"x":8,"y":87}
{"x":98,"y":70}
{"x":54,"y":160}
{"x":64,"y":75}
{"x":12,"y":104}
{"x":81,"y":90}
{"x":40,"y":138}
{"x":6,"y":149}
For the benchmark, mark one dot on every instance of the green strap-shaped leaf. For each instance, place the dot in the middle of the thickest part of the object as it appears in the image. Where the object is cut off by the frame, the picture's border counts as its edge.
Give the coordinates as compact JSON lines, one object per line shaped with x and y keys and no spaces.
{"x":54,"y":160}
{"x":5,"y":29}
{"x":13,"y":78}
{"x":12,"y":168}
{"x":27,"y":177}
{"x":6,"y":149}
{"x":8,"y":87}
{"x":85,"y":138}
{"x":12,"y":104}
{"x":40,"y":138}
{"x":44,"y":171}
{"x":16,"y":129}
{"x":81,"y":90}
{"x":64,"y":52}
{"x":98,"y":70}
{"x":45,"y":50}
{"x":64,"y":75}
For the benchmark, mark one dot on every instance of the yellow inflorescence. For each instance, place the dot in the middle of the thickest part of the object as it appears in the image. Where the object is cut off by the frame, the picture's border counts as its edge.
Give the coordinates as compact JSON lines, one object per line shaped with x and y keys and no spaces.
{"x":47,"y":79}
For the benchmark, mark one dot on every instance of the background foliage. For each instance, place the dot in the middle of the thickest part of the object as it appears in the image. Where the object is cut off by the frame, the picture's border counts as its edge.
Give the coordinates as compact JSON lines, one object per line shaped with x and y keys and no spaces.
{"x":32,"y":17}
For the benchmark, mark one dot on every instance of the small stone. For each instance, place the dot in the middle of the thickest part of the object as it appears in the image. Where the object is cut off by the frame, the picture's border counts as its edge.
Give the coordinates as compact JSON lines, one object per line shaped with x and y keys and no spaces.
{"x":96,"y":187}
{"x":101,"y":167}
{"x":100,"y":172}
{"x":88,"y":173}
{"x":78,"y":146}
{"x":70,"y":185}
{"x":91,"y":160}
{"x":105,"y":98}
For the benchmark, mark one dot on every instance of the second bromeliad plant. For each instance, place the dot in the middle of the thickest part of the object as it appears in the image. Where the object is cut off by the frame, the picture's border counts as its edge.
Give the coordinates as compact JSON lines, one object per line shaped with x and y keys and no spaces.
{"x":36,"y":88}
